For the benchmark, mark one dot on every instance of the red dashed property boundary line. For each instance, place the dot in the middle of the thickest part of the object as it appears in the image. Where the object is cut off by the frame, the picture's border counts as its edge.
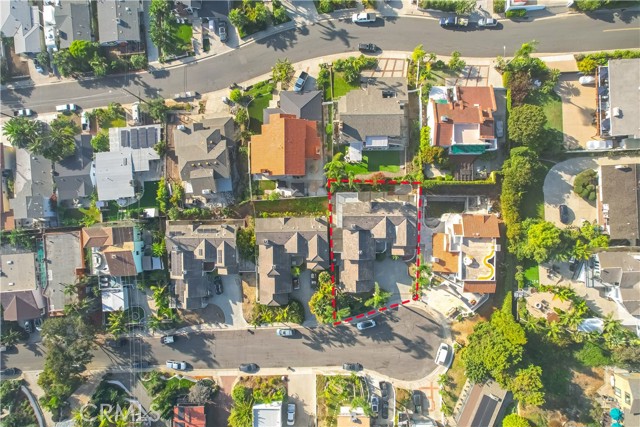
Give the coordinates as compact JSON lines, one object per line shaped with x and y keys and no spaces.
{"x":416,"y":293}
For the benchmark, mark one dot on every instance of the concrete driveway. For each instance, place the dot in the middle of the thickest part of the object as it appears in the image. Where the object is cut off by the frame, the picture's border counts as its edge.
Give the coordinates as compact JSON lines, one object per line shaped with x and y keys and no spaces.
{"x":230,"y":302}
{"x":304,"y":295}
{"x":578,"y":107}
{"x":393,"y":276}
{"x":302,"y":392}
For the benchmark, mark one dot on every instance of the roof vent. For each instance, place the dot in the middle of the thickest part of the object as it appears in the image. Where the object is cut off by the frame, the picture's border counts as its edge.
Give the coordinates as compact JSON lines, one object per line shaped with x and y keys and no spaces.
{"x":12,"y":283}
{"x":118,"y":21}
{"x":360,"y":252}
{"x":10,"y":262}
{"x":617,"y":112}
{"x":621,"y":167}
{"x":444,"y":118}
{"x":265,"y":241}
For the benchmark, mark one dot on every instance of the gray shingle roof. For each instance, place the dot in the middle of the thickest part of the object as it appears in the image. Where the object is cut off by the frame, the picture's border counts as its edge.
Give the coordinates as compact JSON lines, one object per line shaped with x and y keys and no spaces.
{"x":20,"y":20}
{"x":620,"y":190}
{"x":305,"y":105}
{"x":73,"y":21}
{"x":33,"y":186}
{"x":622,"y":269}
{"x":64,"y":256}
{"x":114,"y":175}
{"x":203,"y":155}
{"x":139,"y":141}
{"x":73,"y":174}
{"x":119,"y":21}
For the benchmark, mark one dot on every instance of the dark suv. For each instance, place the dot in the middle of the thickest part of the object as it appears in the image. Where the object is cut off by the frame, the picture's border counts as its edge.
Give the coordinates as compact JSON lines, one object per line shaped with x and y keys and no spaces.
{"x":564,"y":214}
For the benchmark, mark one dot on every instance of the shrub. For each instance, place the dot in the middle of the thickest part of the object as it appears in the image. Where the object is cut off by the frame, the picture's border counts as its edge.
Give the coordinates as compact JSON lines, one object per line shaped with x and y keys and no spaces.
{"x":526,"y":125}
{"x":588,"y":63}
{"x":516,"y":13}
{"x":444,"y":5}
{"x":593,"y":355}
{"x":498,"y":6}
{"x":585,"y":184}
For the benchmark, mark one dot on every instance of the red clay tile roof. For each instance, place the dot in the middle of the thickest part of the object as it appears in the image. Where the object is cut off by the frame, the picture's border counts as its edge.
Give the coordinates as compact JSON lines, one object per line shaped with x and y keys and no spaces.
{"x":480,"y":226}
{"x":480,"y":287}
{"x":284,"y":145}
{"x":189,"y":416}
{"x":447,"y":261}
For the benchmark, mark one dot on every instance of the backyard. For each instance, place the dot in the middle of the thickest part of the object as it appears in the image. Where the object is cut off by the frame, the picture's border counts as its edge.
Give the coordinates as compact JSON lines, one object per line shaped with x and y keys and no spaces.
{"x":376,"y":161}
{"x":260,"y":95}
{"x":437,"y":209}
{"x":340,"y":87}
{"x":300,"y":206}
{"x":551,"y":103}
{"x":336,"y":391}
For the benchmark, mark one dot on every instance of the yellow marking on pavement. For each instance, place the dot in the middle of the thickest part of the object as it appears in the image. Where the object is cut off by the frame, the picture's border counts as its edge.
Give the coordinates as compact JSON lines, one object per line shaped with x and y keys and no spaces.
{"x":621,"y":29}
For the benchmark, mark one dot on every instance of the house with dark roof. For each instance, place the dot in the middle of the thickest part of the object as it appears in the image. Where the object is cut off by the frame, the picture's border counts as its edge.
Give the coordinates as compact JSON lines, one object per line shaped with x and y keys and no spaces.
{"x":116,"y":251}
{"x":204,"y":151}
{"x":485,"y":405}
{"x":74,"y":176}
{"x":119,"y":21}
{"x":189,"y":416}
{"x":461,"y":119}
{"x":20,"y":294}
{"x":196,"y":251}
{"x":73,"y":21}
{"x":467,"y":250}
{"x":303,"y":105}
{"x":375,"y":118}
{"x":366,"y":226}
{"x":284,"y":243}
{"x":20,"y":20}
{"x":33,"y":190}
{"x":619,"y":272}
{"x":619,"y":202}
{"x":284,"y":146}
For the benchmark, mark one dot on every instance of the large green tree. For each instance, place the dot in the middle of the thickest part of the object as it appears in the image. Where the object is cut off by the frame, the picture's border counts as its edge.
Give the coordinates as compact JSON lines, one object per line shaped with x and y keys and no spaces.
{"x":526,"y":126}
{"x":83,"y":50}
{"x":157,"y":109}
{"x":527,"y":387}
{"x":60,"y":142}
{"x":23,"y":132}
{"x":515,"y":420}
{"x":540,"y":242}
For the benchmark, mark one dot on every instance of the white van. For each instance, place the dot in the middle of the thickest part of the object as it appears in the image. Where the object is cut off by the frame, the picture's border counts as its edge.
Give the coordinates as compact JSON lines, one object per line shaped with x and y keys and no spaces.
{"x":135,"y":112}
{"x":66,"y":107}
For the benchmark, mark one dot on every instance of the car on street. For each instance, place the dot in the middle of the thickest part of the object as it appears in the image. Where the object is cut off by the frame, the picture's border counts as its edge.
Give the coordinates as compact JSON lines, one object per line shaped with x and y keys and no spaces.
{"x":600,"y":144}
{"x":217,"y":282}
{"x":416,"y":397}
{"x":285,"y":332}
{"x":385,"y":409}
{"x":177,"y":365}
{"x":487,"y":22}
{"x":248,"y":367}
{"x":302,"y":79}
{"x":222,"y":30}
{"x":453,"y":22}
{"x":23,"y":112}
{"x":363,"y":18}
{"x":167,"y":339}
{"x":443,"y":355}
{"x":66,"y":107}
{"x":564,"y":214}
{"x":9,"y":372}
{"x":291,"y":414}
{"x":366,"y":324}
{"x":384,"y":389}
{"x":375,"y":404}
{"x":368,"y":47}
{"x":587,"y":80}
{"x":354,"y":367}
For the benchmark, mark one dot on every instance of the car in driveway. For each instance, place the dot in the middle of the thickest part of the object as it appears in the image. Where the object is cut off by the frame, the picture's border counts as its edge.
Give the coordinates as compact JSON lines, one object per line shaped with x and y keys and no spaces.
{"x":285,"y":332}
{"x":385,"y":410}
{"x":354,"y":367}
{"x":217,"y":282}
{"x":366,"y":324}
{"x":177,"y":365}
{"x":167,"y":339}
{"x":443,"y":355}
{"x":9,"y":372}
{"x":587,"y":80}
{"x":368,"y":47}
{"x":84,"y":120}
{"x":249,"y":368}
{"x":302,"y":79}
{"x":416,"y":397}
{"x":291,"y":414}
{"x":375,"y":404}
{"x":222,"y":30}
{"x":384,"y":389}
{"x":363,"y":18}
{"x":487,"y":22}
{"x":564,"y":214}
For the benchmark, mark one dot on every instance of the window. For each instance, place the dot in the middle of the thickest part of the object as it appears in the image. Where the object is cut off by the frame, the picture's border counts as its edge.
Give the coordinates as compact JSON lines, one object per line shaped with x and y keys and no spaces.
{"x":617,"y":391}
{"x":627,"y":398}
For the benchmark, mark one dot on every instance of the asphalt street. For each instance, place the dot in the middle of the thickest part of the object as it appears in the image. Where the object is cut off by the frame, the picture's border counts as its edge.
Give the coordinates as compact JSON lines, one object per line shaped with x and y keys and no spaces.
{"x":574,"y":33}
{"x":402,"y":346}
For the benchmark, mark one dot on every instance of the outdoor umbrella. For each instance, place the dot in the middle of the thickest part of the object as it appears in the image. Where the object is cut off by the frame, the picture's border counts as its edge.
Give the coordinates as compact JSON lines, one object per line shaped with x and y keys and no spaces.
{"x":616,"y":414}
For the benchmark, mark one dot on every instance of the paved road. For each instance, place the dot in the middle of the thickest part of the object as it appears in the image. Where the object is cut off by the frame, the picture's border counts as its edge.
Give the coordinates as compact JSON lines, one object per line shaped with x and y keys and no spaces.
{"x":403,"y":346}
{"x":559,"y":35}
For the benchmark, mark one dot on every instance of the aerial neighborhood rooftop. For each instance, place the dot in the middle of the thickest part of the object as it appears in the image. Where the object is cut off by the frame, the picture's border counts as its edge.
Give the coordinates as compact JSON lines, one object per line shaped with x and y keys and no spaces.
{"x":331,"y":213}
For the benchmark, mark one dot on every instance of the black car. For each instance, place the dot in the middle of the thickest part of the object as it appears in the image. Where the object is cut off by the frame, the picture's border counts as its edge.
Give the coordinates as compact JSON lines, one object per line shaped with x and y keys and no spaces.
{"x":217,"y":281}
{"x":385,"y":409}
{"x":9,"y":372}
{"x":296,"y":283}
{"x":368,"y":47}
{"x":564,"y":214}
{"x":384,"y":390}
{"x":249,"y":368}
{"x":355,"y":367}
{"x":116,"y":343}
{"x":417,"y":401}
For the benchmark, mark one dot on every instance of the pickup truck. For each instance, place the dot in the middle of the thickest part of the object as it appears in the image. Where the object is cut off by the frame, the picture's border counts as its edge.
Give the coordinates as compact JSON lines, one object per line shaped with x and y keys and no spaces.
{"x":363,"y":18}
{"x":453,"y":22}
{"x":302,"y":79}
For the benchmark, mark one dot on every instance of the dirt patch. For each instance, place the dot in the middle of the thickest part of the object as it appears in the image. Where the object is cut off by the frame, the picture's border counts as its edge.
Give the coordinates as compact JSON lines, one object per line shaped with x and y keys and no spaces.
{"x":462,"y":329}
{"x":248,"y":295}
{"x":18,"y":67}
{"x":210,"y":314}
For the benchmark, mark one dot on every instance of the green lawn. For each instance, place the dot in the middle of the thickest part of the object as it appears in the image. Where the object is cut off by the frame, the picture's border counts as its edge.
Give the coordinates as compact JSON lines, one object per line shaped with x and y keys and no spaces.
{"x":533,"y":201}
{"x":437,"y":209}
{"x":264,"y":184}
{"x":148,"y":199}
{"x":183,"y":33}
{"x":340,"y":86}
{"x":376,"y":161}
{"x":300,"y":206}
{"x":531,"y":273}
{"x":552,"y":106}
{"x":262,"y":94}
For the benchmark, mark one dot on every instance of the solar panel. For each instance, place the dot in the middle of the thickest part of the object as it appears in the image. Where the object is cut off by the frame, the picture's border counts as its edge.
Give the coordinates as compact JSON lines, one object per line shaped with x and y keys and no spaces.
{"x":135,"y":141}
{"x":124,"y":138}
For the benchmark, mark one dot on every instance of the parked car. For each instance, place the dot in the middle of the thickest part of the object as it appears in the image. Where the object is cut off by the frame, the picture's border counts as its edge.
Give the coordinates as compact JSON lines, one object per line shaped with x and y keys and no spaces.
{"x":177,"y":365}
{"x":564,"y":214}
{"x":84,"y":120}
{"x":167,"y":339}
{"x":291,"y":414}
{"x":5,"y":348}
{"x":66,"y":108}
{"x":314,"y":279}
{"x":222,"y":30}
{"x":453,"y":22}
{"x":573,"y":263}
{"x":355,"y":367}
{"x":499,"y":128}
{"x":38,"y":67}
{"x":363,"y":18}
{"x":116,"y":343}
{"x":23,"y":112}
{"x":384,"y":389}
{"x":28,"y":327}
{"x":375,"y":404}
{"x":443,"y":355}
{"x":600,"y":144}
{"x":385,"y":410}
{"x":368,"y":47}
{"x":288,"y":332}
{"x":9,"y":372}
{"x":296,"y":282}
{"x":248,"y":367}
{"x":487,"y":22}
{"x":587,"y":80}
{"x":217,"y":282}
{"x":365,"y":324}
{"x":212,"y":26}
{"x":417,"y":401}
{"x":302,"y":79}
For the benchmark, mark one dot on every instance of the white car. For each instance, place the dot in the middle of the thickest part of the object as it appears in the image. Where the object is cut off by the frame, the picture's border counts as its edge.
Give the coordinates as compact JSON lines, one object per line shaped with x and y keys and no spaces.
{"x":442,"y":356}
{"x":587,"y":80}
{"x":365,"y":324}
{"x":178,"y":366}
{"x":285,"y":332}
{"x":600,"y":144}
{"x":291,"y":414}
{"x":24,"y":112}
{"x":363,"y":18}
{"x":487,"y":22}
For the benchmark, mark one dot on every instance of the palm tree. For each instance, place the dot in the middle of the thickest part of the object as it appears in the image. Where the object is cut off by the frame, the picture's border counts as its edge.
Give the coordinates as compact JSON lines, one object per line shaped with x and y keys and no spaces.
{"x":379,"y":297}
{"x":22,"y":132}
{"x":10,"y":337}
{"x":610,"y":325}
{"x":122,"y":419}
{"x":104,"y":419}
{"x":554,"y":330}
{"x":564,"y":294}
{"x":153,"y":323}
{"x":117,"y":322}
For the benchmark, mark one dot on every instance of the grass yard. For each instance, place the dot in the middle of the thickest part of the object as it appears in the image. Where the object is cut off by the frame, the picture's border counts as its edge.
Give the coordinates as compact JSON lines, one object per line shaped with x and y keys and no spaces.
{"x":148,"y":199}
{"x":340,"y":86}
{"x":376,"y":161}
{"x":262,"y":94}
{"x":184,"y":33}
{"x":264,"y":184}
{"x":118,"y":122}
{"x":531,"y":273}
{"x":437,"y":209}
{"x":533,"y":202}
{"x":299,"y":206}
{"x":552,"y":106}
